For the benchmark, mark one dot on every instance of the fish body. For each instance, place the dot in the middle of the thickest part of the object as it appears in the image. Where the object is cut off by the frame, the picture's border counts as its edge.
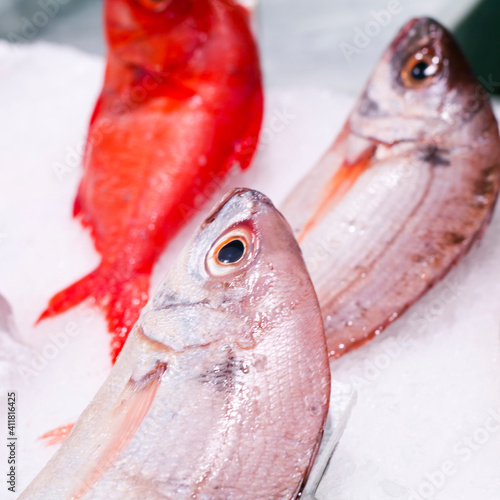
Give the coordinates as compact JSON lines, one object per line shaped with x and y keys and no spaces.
{"x":180,"y":107}
{"x":222,"y":388}
{"x":14,"y":354}
{"x":404,"y":191}
{"x":7,"y":318}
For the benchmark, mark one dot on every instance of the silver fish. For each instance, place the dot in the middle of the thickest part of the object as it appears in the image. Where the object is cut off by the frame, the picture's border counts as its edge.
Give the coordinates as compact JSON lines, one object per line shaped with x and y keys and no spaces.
{"x":222,"y":388}
{"x":13,"y":352}
{"x":7,"y":318}
{"x":404,"y":191}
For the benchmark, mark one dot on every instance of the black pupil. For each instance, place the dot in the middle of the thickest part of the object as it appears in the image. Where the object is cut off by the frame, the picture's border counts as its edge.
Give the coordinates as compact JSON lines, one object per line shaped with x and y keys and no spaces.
{"x":231,"y":252}
{"x":419,"y":71}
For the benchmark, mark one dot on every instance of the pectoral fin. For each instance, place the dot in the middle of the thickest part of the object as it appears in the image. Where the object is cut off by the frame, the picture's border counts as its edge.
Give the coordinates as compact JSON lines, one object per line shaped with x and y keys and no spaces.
{"x":337,"y":187}
{"x":120,"y":426}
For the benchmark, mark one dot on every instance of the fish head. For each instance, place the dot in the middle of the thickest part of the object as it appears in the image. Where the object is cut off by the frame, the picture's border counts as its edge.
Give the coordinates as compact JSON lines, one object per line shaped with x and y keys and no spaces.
{"x":242,"y":267}
{"x":423,"y":86}
{"x":156,"y":34}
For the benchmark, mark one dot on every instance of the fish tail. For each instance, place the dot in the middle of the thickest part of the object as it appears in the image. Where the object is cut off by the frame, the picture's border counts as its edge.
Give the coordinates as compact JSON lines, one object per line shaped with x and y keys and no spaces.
{"x":121,"y":295}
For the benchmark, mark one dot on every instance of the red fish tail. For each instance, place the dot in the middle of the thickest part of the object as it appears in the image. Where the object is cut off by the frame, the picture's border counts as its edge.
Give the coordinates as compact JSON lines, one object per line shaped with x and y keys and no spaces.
{"x":121,"y":295}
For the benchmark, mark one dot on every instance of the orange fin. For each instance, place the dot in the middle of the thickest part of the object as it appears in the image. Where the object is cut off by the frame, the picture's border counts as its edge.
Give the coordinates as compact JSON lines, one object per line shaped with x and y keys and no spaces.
{"x":58,"y":435}
{"x":121,"y":296}
{"x":77,"y":206}
{"x":124,"y":419}
{"x":337,"y":188}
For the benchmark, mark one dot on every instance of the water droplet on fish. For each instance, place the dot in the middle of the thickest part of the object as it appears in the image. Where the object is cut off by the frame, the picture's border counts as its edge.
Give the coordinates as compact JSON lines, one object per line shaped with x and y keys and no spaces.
{"x":247,"y":342}
{"x":349,"y":323}
{"x":377,"y":332}
{"x":196,"y":100}
{"x":260,"y":362}
{"x":352,"y":228}
{"x":313,"y":405}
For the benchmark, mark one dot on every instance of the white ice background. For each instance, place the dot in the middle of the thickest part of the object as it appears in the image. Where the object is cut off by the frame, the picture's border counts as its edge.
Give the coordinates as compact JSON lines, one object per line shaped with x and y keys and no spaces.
{"x":427,"y":421}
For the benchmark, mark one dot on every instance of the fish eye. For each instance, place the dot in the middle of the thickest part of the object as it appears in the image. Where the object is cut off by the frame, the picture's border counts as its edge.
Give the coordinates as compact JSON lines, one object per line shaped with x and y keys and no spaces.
{"x":420,"y":68}
{"x":154,"y":5}
{"x":230,"y":252}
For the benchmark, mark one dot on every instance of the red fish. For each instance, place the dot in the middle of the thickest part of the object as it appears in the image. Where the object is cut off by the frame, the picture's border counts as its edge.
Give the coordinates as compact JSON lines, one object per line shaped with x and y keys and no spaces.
{"x":180,"y":106}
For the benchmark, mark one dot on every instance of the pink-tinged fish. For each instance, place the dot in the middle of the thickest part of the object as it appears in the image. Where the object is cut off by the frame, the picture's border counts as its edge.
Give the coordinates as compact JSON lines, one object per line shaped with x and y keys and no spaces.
{"x":404,"y":191}
{"x":180,"y":106}
{"x":222,"y":388}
